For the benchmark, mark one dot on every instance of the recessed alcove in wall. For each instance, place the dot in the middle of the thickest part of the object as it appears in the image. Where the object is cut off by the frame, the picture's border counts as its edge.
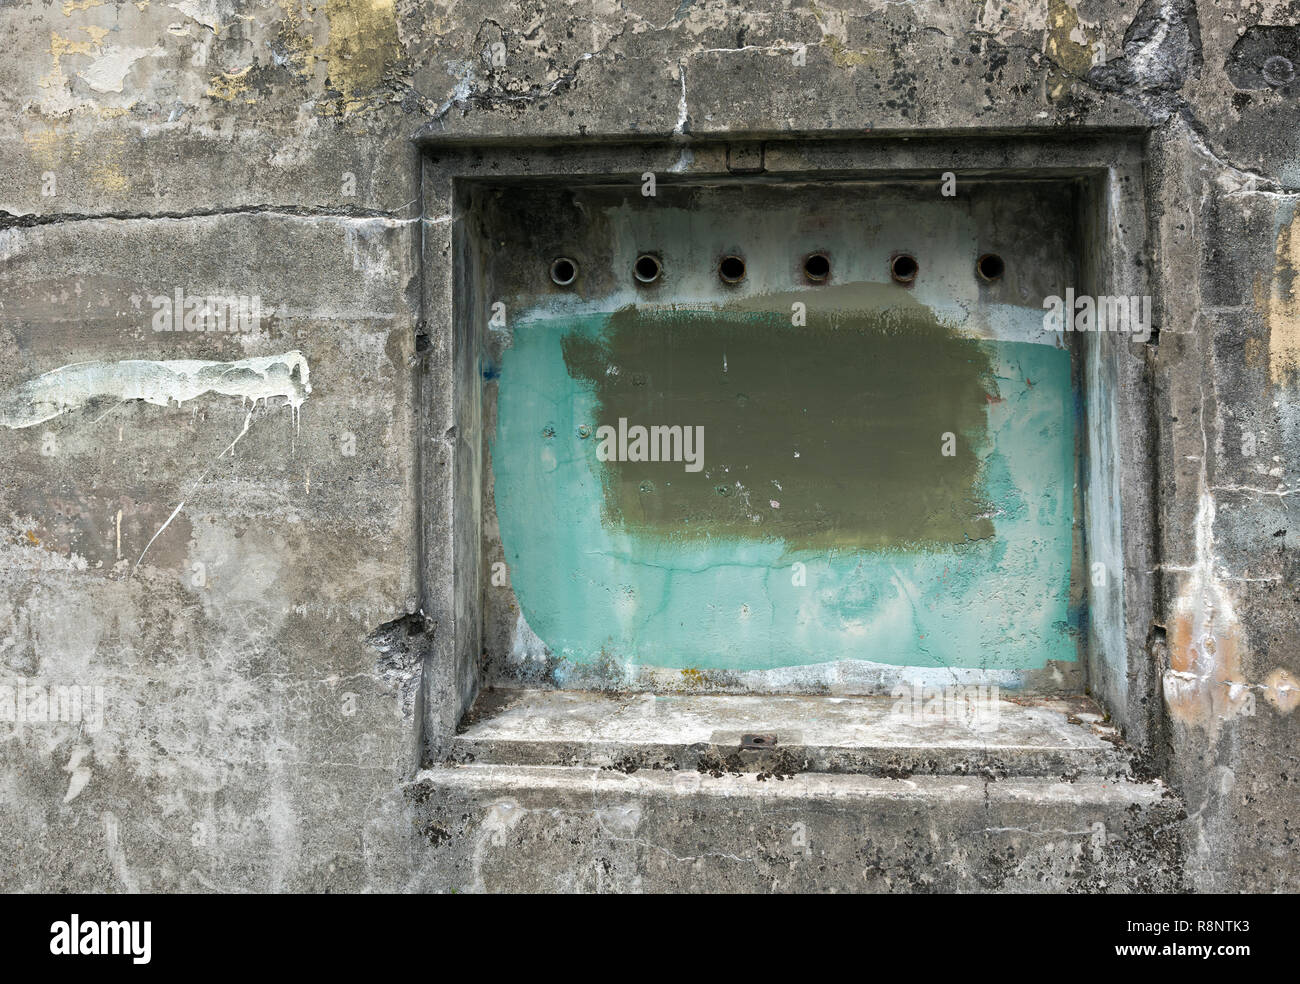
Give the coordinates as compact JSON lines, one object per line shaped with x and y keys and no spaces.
{"x":877,"y":470}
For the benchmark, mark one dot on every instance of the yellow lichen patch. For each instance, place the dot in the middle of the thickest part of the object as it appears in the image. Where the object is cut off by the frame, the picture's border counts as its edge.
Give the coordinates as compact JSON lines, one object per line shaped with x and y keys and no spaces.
{"x":59,"y":47}
{"x":52,"y":147}
{"x":294,"y":40}
{"x":1282,"y":690}
{"x":108,"y":174}
{"x":72,"y":6}
{"x":1280,"y":306}
{"x":227,"y":85}
{"x":835,"y":35}
{"x":362,"y":45}
{"x":109,"y":177}
{"x":47,"y":146}
{"x":692,"y":677}
{"x":844,"y":57}
{"x":1068,"y":43}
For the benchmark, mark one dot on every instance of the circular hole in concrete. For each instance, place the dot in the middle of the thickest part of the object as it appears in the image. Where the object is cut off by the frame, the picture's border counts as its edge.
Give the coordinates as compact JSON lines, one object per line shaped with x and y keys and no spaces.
{"x":990,"y":267}
{"x":903,"y":268}
{"x":731,"y":269}
{"x":647,"y":268}
{"x":817,"y":267}
{"x":1278,"y":70}
{"x":564,"y":271}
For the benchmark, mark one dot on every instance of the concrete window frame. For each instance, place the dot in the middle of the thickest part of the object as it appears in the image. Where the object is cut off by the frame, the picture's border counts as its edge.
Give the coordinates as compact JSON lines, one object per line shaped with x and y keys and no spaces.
{"x":1118,"y":429}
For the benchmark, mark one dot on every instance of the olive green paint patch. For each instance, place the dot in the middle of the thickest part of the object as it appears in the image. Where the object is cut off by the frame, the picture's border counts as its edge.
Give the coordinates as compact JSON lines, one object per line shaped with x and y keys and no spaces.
{"x":823,"y":435}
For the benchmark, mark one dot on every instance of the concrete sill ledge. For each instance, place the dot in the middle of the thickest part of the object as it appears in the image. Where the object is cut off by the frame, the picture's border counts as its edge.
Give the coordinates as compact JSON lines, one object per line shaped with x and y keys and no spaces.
{"x":589,"y":829}
{"x":562,"y":791}
{"x":1029,"y":737}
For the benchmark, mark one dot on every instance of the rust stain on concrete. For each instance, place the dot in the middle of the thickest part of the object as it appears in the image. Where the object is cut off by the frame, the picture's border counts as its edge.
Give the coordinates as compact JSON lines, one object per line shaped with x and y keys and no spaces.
{"x":1278,"y":303}
{"x":1282,"y":690}
{"x":1204,"y":685}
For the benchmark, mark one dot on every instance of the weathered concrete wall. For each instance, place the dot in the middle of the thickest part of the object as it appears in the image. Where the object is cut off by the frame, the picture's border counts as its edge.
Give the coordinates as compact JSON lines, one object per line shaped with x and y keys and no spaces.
{"x":260,"y":659}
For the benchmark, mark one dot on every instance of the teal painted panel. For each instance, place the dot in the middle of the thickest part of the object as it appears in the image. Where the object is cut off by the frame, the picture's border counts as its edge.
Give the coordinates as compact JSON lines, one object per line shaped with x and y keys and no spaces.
{"x":595,"y":584}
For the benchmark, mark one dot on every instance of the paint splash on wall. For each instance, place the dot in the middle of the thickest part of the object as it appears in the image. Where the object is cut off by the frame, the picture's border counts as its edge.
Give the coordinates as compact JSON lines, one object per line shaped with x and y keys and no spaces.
{"x":70,"y":388}
{"x":845,"y":444}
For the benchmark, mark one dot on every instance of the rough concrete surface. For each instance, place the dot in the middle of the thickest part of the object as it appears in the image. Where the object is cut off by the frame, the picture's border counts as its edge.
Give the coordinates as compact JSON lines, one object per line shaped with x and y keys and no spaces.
{"x":232,"y":632}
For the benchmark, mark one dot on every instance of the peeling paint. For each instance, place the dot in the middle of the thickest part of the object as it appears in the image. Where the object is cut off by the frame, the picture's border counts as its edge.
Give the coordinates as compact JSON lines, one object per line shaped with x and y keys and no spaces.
{"x":60,"y":47}
{"x":205,"y":12}
{"x":108,"y":72}
{"x":1068,"y":43}
{"x":294,"y":46}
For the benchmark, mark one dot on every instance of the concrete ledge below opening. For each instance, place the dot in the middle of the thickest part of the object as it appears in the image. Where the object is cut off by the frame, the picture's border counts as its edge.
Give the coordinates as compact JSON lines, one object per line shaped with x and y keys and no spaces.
{"x":879,"y":736}
{"x":600,"y":830}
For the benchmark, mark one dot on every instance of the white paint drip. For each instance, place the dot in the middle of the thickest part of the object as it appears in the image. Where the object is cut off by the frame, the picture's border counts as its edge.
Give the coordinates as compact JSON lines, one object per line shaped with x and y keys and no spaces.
{"x":1205,"y":607}
{"x":682,"y":112}
{"x":116,"y":857}
{"x":500,"y":818}
{"x":1146,"y":58}
{"x":685,"y":157}
{"x":71,"y":387}
{"x":248,"y":420}
{"x":80,"y":774}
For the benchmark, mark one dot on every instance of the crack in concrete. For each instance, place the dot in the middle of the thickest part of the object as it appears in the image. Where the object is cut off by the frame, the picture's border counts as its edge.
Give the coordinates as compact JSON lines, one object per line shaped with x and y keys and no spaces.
{"x":28,"y":220}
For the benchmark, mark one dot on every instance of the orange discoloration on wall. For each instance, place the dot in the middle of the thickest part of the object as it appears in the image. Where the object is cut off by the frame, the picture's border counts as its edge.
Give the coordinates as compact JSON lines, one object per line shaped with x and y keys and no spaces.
{"x":1280,"y":306}
{"x":1256,"y":353}
{"x":1282,"y":690}
{"x":1204,"y":683}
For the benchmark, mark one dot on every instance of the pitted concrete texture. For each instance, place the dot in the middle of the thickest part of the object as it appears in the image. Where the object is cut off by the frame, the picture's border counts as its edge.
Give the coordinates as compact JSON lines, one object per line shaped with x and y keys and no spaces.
{"x":267,"y":609}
